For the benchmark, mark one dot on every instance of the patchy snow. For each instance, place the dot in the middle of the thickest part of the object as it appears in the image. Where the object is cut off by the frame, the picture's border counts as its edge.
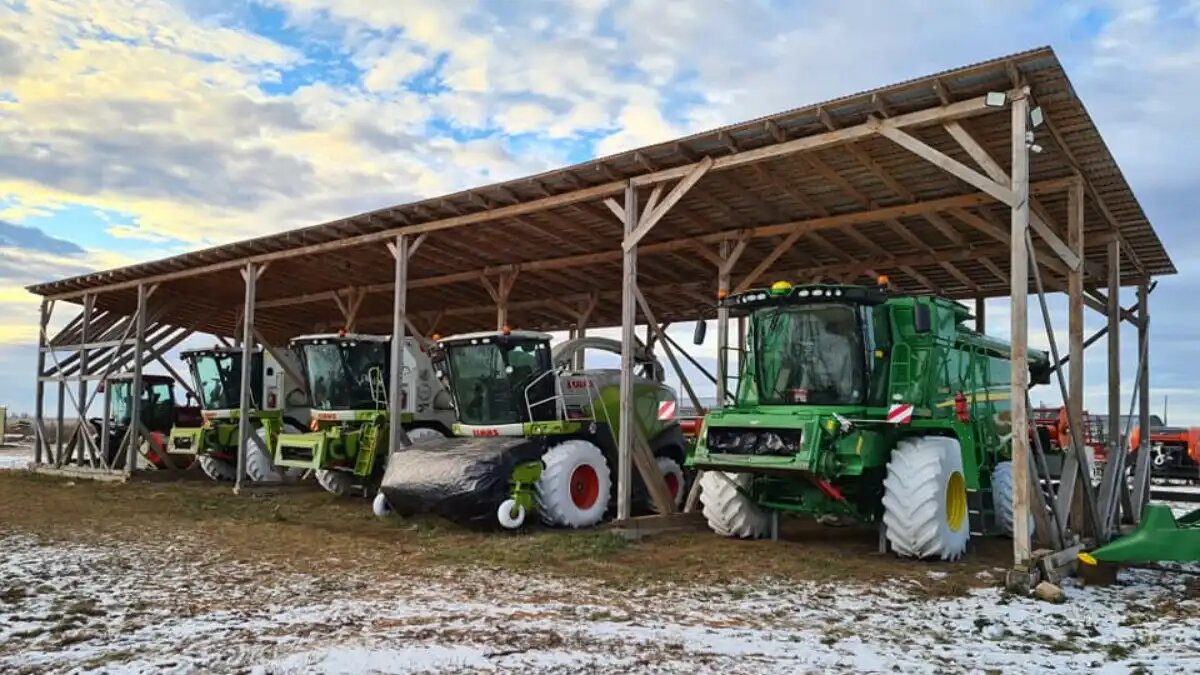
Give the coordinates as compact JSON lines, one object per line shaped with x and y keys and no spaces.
{"x":182,"y":607}
{"x":15,"y":457}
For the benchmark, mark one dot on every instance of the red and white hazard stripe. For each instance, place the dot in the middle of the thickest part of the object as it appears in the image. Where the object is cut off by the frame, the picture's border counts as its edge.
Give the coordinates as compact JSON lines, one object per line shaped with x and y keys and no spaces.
{"x":666,"y":410}
{"x":900,"y":413}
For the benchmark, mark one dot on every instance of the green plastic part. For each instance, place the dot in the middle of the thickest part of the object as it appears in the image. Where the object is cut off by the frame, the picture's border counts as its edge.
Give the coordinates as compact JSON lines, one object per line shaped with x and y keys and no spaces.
{"x":523,"y":483}
{"x":1159,"y":537}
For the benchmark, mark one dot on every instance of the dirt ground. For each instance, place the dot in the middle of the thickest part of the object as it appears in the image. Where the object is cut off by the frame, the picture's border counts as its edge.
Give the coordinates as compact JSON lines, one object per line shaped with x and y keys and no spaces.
{"x":187,"y":577}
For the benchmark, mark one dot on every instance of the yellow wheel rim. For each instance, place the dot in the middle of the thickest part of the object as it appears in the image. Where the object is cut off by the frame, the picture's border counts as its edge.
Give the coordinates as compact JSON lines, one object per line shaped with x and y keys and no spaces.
{"x":956,"y":501}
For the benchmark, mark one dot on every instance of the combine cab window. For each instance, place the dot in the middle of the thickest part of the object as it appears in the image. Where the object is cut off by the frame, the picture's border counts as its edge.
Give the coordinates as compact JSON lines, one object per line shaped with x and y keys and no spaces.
{"x":491,"y":380}
{"x":157,"y":407}
{"x":219,"y":380}
{"x":810,"y":354}
{"x":347,"y":375}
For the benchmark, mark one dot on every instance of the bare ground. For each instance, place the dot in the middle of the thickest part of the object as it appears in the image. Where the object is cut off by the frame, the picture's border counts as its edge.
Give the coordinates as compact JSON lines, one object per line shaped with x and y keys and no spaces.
{"x":186,"y":577}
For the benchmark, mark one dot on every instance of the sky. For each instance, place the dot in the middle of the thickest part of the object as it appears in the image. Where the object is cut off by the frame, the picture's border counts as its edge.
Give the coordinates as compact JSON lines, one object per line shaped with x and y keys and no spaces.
{"x":136,"y":129}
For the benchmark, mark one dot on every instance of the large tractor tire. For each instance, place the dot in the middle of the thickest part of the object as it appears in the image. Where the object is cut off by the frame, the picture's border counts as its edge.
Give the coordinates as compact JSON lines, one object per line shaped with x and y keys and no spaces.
{"x":573,"y":490}
{"x":217,"y":469}
{"x":925,"y":499}
{"x":1002,"y":498}
{"x":730,"y":512}
{"x":672,"y":474}
{"x":340,"y":483}
{"x":260,"y":465}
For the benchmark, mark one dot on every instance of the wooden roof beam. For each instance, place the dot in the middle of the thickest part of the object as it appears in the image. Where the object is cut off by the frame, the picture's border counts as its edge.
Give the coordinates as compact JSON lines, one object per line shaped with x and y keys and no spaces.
{"x":1038,"y":220}
{"x":840,"y":221}
{"x":958,"y":110}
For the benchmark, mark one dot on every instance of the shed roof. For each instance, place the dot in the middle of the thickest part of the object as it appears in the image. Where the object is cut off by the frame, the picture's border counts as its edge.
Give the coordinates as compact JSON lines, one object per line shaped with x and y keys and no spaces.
{"x":854,"y":204}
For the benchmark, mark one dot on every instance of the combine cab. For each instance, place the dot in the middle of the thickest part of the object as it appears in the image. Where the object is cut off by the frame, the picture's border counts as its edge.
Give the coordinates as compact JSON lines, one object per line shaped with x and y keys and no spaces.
{"x":348,"y":382}
{"x":278,"y":405}
{"x":532,"y":434}
{"x":855,"y":404}
{"x":158,"y":414}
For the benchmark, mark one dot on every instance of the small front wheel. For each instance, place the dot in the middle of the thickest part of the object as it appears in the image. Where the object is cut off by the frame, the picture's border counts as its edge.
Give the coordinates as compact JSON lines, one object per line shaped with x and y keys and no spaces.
{"x":510,"y":514}
{"x":381,"y":507}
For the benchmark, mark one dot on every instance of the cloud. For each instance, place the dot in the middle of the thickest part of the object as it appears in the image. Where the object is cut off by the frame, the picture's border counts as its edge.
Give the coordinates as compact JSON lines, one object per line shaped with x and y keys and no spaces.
{"x":198,"y":124}
{"x":20,"y":236}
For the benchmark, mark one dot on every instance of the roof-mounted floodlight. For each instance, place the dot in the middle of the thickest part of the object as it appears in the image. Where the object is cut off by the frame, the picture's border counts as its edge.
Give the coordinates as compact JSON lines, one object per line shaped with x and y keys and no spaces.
{"x":1037,"y":117}
{"x":995,"y":99}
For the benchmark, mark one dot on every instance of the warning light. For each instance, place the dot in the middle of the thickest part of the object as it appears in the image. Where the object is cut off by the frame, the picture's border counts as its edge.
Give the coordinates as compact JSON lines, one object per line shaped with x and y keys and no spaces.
{"x":341,"y":332}
{"x":781,"y":288}
{"x":435,"y":337}
{"x":960,"y":408}
{"x":505,"y":329}
{"x":314,"y":425}
{"x":722,"y":294}
{"x":883,"y":281}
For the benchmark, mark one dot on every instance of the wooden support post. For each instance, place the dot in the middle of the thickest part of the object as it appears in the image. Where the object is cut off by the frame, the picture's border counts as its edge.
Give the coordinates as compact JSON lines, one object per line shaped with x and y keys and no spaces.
{"x":723,"y":282}
{"x":105,"y":443}
{"x":39,"y":404}
{"x":250,"y":276}
{"x":135,"y":392}
{"x":1141,"y":475}
{"x":1019,"y":291}
{"x":581,"y":324}
{"x":1114,"y":473}
{"x":84,"y":354}
{"x":1070,"y":502}
{"x":397,"y":438}
{"x":980,"y":315}
{"x":628,"y":347}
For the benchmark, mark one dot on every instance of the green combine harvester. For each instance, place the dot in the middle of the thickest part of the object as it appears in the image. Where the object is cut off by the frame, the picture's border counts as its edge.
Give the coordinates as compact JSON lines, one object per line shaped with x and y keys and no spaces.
{"x":533,"y":435}
{"x":347,"y":377}
{"x":854,"y":404}
{"x":278,"y":405}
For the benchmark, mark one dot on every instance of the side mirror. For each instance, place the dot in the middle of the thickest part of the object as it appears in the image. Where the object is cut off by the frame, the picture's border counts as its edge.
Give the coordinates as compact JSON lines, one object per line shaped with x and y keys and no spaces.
{"x":700,"y":331}
{"x":922,"y":318}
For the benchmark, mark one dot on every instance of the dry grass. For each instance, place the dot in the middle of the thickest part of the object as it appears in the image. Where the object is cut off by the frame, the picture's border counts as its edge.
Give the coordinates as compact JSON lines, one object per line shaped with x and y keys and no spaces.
{"x":307,"y":530}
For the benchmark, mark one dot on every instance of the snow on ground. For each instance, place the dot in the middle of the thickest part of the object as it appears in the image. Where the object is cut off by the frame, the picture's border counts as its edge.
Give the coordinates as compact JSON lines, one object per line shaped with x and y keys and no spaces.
{"x":15,"y":456}
{"x":186,"y":607}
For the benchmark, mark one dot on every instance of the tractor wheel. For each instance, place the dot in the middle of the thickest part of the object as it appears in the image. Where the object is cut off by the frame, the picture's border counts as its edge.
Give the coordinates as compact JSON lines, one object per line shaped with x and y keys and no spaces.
{"x":673,"y":476}
{"x":1002,"y":498}
{"x":729,"y":511}
{"x":573,"y":490}
{"x":381,"y":507}
{"x":217,"y":469}
{"x":925,"y":499}
{"x":340,"y":483}
{"x":260,"y":467}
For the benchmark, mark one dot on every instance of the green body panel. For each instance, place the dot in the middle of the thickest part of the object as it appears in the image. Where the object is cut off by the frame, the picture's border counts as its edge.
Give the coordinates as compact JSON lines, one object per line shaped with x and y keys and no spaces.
{"x":1159,"y":537}
{"x":915,"y":350}
{"x":351,"y":444}
{"x":218,"y":435}
{"x":523,"y":485}
{"x":646,"y":398}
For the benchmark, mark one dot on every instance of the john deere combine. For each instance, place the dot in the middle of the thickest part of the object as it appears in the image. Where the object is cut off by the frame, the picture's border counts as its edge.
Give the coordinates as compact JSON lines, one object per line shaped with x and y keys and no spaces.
{"x":532,"y":435}
{"x":278,"y":405}
{"x":348,"y":381}
{"x":857,"y":404}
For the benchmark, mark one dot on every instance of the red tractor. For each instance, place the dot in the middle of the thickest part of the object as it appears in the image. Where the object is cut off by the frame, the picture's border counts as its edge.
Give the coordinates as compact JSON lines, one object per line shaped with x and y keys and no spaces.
{"x":1175,"y":451}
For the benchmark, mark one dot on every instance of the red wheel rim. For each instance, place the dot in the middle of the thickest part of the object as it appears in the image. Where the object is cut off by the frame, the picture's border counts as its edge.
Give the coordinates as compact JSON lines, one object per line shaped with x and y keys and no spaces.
{"x":585,"y":486}
{"x":672,"y":482}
